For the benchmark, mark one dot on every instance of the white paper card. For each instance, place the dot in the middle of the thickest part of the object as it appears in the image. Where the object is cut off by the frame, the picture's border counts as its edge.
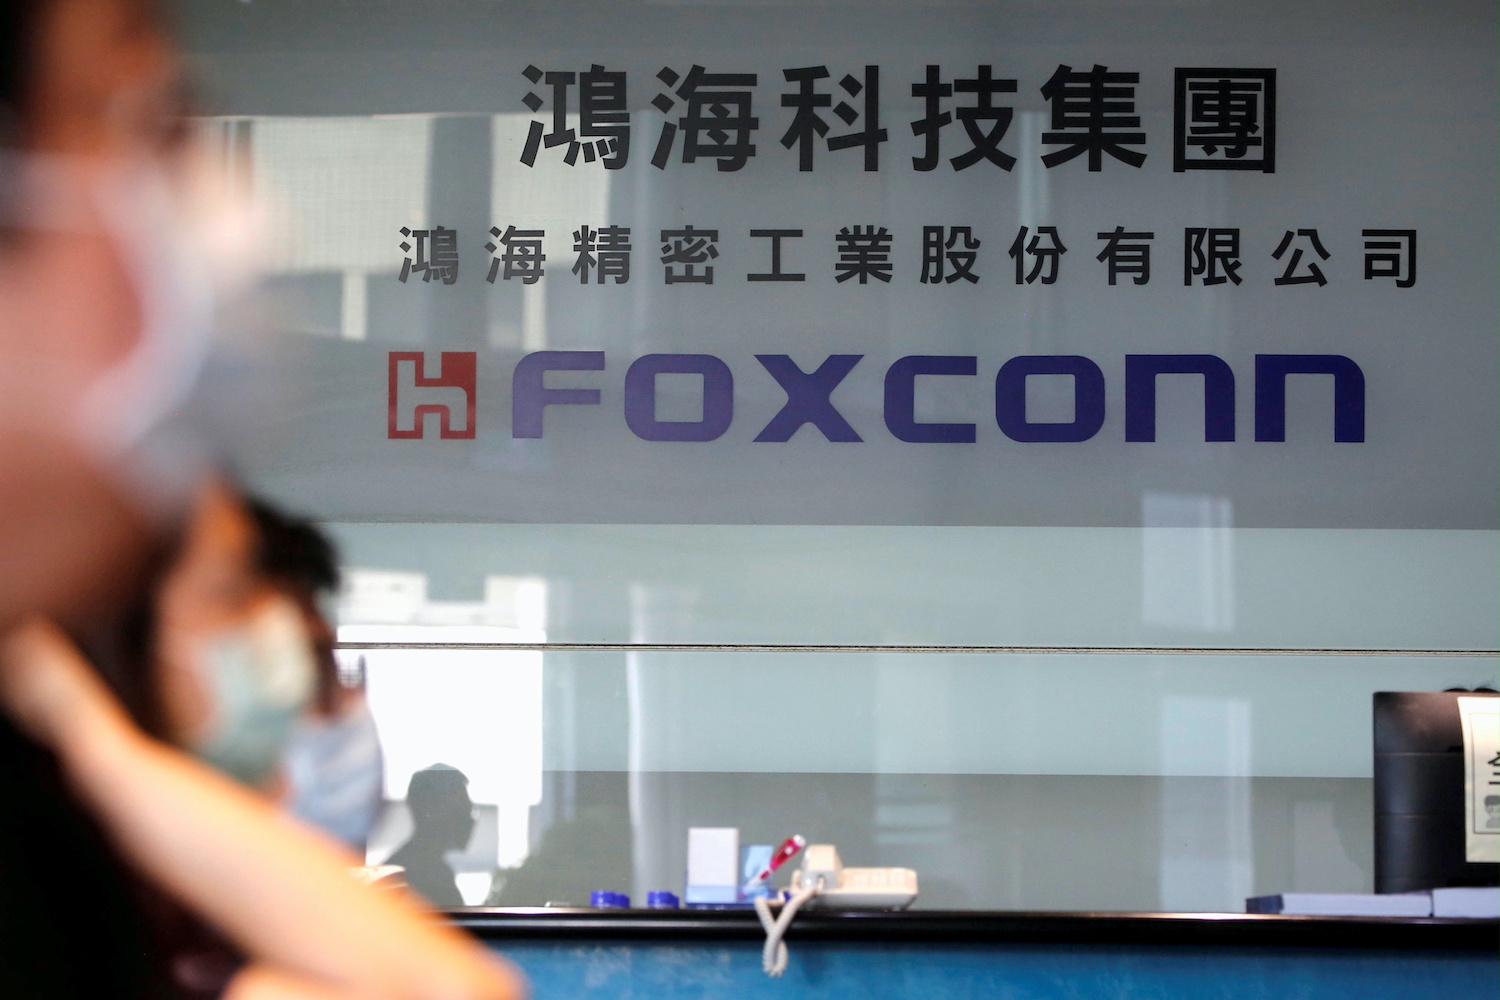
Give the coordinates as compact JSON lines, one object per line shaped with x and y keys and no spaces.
{"x":1481,"y":722}
{"x":713,"y":857}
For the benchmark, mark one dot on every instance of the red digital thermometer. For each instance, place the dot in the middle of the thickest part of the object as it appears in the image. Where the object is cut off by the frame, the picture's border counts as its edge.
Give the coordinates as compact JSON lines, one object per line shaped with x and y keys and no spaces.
{"x":786,"y":852}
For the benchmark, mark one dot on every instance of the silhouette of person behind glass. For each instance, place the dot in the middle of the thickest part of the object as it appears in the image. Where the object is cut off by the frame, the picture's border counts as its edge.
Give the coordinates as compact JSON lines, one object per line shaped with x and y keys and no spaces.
{"x":442,"y":818}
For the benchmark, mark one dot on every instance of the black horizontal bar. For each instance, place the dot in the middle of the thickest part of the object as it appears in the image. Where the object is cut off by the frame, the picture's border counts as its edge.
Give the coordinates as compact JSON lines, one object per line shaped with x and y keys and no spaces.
{"x":987,"y":927}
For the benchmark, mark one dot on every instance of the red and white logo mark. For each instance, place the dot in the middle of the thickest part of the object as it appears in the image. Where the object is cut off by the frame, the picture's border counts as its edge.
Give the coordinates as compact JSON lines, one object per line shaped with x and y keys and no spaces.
{"x":450,"y":395}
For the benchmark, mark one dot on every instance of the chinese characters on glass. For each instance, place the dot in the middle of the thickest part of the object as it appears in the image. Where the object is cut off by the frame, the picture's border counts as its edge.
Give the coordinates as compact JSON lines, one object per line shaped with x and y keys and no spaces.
{"x":1223,"y":119}
{"x":865,"y":253}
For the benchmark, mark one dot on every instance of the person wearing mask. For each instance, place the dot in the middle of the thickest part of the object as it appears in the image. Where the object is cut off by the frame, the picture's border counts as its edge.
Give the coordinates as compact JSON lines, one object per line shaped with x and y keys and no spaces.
{"x":234,"y":662}
{"x":96,"y":354}
{"x":333,"y":774}
{"x":246,"y":671}
{"x":236,"y":670}
{"x":105,"y":304}
{"x":281,"y":896}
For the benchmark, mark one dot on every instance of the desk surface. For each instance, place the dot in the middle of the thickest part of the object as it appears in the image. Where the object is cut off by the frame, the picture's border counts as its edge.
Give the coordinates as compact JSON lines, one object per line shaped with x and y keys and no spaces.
{"x":980,"y":927}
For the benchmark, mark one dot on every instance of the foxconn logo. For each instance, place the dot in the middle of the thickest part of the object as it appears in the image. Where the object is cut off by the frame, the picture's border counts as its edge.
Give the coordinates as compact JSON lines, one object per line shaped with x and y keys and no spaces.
{"x":450,"y":395}
{"x":414,"y":395}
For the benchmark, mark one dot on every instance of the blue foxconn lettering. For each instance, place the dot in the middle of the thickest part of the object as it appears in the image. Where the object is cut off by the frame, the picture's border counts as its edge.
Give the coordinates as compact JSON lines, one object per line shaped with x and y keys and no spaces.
{"x":809,"y":395}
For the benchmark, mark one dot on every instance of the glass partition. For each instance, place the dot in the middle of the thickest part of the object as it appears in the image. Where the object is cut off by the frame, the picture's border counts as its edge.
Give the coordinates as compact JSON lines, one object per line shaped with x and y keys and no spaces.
{"x":1147,"y":781}
{"x":976,"y":586}
{"x":1010,"y":441}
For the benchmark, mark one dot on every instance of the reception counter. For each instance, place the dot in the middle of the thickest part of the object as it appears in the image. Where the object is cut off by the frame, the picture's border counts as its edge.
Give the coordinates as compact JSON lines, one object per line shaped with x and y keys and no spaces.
{"x":1037,"y":956}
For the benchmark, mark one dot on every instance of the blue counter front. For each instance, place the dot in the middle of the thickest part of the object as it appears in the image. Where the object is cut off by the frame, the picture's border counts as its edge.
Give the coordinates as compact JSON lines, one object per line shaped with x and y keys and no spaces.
{"x":580,"y":954}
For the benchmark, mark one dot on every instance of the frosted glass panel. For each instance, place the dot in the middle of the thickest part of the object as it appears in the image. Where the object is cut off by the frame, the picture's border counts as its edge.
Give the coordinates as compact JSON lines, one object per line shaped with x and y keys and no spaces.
{"x":1019,"y":632}
{"x":958,"y":586}
{"x":898,"y":713}
{"x":1152,"y":781}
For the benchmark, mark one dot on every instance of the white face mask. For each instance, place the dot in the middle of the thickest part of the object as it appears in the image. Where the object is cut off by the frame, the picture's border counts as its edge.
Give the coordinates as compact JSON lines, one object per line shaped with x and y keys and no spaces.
{"x":260,"y":676}
{"x":336,"y":775}
{"x":187,"y":247}
{"x":188,"y":250}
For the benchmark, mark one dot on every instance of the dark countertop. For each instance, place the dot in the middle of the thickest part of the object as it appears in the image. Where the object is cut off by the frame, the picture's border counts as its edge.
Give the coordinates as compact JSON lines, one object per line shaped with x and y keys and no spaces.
{"x":981,"y":927}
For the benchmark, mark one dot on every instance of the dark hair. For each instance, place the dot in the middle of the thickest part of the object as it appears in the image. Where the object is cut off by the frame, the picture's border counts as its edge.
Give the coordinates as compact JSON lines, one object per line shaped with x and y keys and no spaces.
{"x":120,"y":645}
{"x":295,"y":555}
{"x":293,"y":551}
{"x":433,"y":790}
{"x":18,"y":20}
{"x":18,"y":44}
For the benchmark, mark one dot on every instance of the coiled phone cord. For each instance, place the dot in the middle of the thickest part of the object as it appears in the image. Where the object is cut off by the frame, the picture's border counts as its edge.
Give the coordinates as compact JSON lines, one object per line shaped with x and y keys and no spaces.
{"x":774,"y":956}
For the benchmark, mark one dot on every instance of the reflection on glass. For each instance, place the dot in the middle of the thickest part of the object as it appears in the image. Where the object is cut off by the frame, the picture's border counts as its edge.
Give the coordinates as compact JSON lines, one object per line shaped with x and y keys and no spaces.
{"x":1194,"y":580}
{"x":442,"y":821}
{"x":393,"y":606}
{"x":557,"y":202}
{"x":1206,"y":859}
{"x":339,"y":191}
{"x":1084,"y":782}
{"x":478,"y":712}
{"x":1187,"y":562}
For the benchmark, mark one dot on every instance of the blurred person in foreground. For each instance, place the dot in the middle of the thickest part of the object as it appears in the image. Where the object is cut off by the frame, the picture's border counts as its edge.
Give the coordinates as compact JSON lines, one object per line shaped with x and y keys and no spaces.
{"x":104,"y":303}
{"x":242,"y":659}
{"x":334,"y":772}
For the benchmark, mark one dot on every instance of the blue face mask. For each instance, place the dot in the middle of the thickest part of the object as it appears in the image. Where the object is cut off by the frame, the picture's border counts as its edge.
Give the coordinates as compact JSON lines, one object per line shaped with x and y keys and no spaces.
{"x":336,"y":775}
{"x":260,"y":676}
